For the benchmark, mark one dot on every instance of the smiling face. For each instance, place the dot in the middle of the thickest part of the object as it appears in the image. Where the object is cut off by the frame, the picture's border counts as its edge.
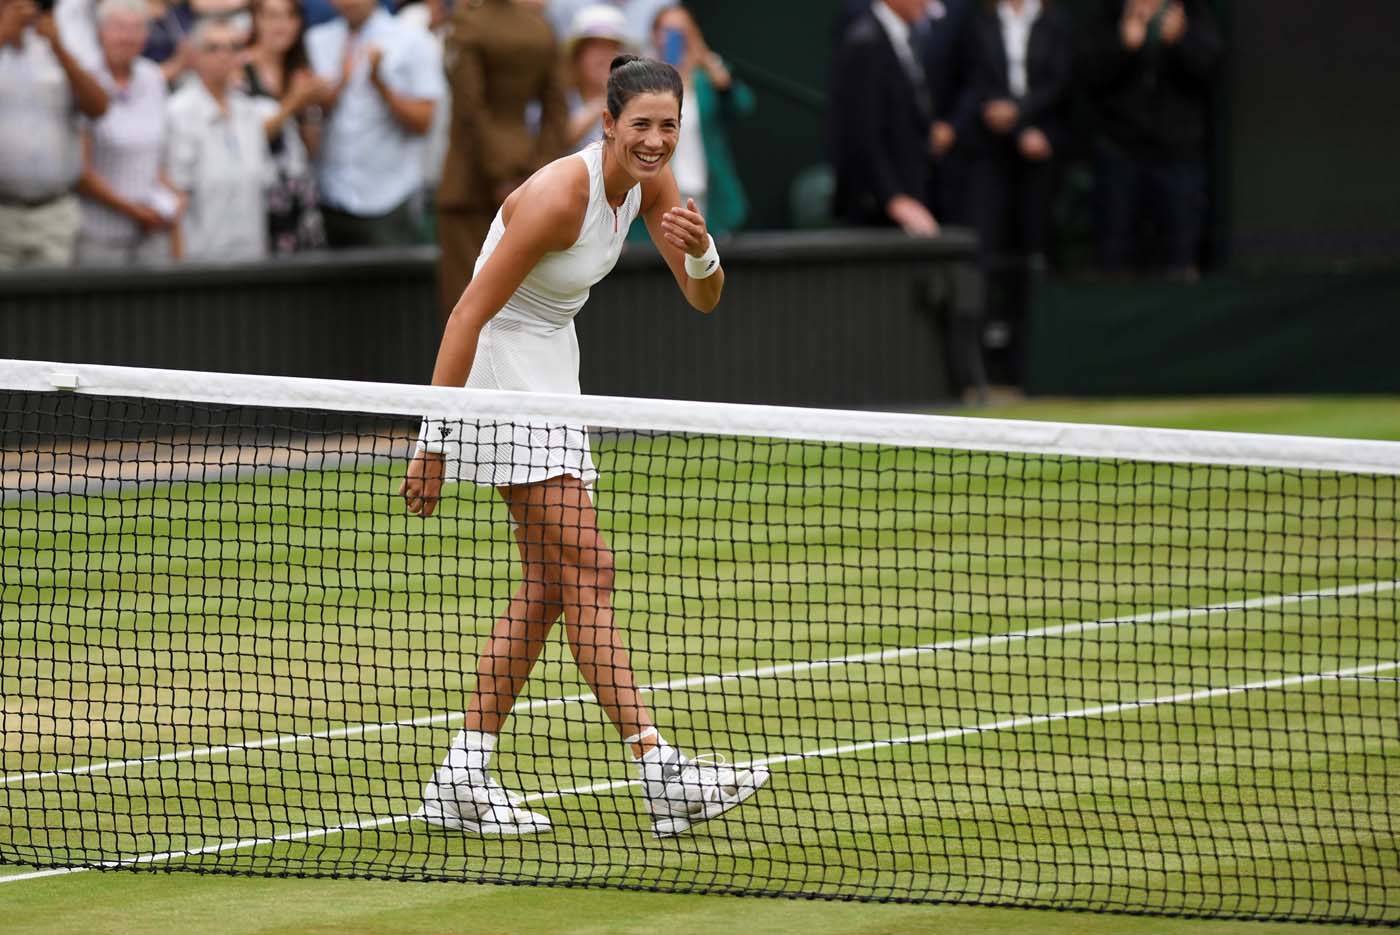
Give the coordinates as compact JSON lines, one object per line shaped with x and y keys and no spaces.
{"x":644,"y":135}
{"x":123,"y":36}
{"x":216,"y":49}
{"x":277,"y":23}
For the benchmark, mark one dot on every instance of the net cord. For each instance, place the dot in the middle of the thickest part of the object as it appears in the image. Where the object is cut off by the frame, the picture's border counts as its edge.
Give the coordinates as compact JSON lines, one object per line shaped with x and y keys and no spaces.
{"x":1352,"y":456}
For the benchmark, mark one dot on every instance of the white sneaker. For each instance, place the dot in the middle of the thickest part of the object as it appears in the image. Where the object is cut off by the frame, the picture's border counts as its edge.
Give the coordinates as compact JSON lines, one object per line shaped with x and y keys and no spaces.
{"x":473,"y":801}
{"x":691,"y":791}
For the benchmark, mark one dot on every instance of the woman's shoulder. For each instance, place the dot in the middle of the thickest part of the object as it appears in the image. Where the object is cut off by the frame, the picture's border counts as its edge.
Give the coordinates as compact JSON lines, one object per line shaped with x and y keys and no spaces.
{"x":566,"y":180}
{"x":557,"y":193}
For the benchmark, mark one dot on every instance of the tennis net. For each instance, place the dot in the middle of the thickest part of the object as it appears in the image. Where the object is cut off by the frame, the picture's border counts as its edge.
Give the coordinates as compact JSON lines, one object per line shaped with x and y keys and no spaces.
{"x":984,"y":662}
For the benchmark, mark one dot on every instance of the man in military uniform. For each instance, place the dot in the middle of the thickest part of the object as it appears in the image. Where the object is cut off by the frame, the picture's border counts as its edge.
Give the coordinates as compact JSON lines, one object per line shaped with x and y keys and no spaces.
{"x":502,"y":129}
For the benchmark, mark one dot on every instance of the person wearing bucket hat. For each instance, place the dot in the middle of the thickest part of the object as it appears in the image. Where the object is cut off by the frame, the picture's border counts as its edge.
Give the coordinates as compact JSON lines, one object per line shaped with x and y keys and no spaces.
{"x":597,"y":35}
{"x":639,"y":15}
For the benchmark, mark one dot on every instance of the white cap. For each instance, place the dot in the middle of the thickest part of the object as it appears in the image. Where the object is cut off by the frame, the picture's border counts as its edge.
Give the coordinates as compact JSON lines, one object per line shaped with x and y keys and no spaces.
{"x":598,"y":21}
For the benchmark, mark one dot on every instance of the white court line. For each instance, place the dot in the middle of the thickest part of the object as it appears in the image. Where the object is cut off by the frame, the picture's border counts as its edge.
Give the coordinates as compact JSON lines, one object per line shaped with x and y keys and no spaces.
{"x":883,"y":655}
{"x":840,"y":750}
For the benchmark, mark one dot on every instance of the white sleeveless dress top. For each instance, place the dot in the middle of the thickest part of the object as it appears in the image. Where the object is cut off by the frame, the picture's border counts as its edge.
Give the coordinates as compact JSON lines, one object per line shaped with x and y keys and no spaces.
{"x":530,"y":346}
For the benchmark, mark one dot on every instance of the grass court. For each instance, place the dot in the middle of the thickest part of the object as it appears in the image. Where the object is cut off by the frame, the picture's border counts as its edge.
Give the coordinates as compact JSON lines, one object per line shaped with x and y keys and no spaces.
{"x":1009,"y":680}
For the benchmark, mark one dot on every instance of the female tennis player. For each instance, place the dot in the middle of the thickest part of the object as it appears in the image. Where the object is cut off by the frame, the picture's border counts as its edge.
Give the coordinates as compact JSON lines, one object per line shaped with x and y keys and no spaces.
{"x":553,"y":239}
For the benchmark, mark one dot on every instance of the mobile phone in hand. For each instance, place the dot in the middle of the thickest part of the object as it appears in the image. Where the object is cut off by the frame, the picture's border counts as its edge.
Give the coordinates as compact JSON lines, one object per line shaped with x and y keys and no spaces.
{"x":673,"y":47}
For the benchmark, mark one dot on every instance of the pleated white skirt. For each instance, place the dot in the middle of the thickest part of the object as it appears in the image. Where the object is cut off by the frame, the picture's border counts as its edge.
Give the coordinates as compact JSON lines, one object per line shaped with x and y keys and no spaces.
{"x":530,"y":358}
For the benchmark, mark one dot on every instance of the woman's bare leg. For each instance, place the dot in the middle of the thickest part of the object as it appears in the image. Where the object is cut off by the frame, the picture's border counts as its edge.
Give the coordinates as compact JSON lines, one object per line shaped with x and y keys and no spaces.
{"x":516,"y":641}
{"x":568,"y":568}
{"x":557,"y":523}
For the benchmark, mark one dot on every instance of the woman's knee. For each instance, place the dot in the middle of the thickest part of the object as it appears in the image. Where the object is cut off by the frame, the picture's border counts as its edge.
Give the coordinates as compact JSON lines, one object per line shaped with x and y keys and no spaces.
{"x":592,"y":569}
{"x":543,"y":588}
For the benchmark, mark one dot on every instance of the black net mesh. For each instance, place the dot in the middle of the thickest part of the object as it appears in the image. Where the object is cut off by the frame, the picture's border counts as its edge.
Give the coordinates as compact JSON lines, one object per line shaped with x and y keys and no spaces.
{"x":1009,"y":679}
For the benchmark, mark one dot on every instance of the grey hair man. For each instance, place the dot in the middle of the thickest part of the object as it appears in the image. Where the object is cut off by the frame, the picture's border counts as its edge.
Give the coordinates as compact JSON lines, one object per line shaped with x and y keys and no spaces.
{"x":128,"y":212}
{"x":217,"y":152}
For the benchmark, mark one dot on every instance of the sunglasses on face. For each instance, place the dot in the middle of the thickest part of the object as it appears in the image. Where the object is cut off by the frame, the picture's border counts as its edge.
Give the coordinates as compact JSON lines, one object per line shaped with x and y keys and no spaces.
{"x":222,"y":47}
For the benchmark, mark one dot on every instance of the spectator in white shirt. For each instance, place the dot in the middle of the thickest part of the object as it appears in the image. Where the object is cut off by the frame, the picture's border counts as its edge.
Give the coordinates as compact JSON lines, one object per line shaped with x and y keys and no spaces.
{"x":217,"y":153}
{"x":433,"y":17}
{"x":386,"y":80}
{"x":43,"y":90}
{"x":128,"y":211}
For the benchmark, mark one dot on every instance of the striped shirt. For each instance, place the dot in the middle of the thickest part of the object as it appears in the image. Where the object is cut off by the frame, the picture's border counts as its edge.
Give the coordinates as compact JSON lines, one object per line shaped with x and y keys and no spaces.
{"x":127,"y":142}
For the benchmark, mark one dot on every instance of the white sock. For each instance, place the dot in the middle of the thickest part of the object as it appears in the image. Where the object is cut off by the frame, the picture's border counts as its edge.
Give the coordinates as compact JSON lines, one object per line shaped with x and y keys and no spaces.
{"x":471,"y":749}
{"x":643,"y":735}
{"x":660,"y":763}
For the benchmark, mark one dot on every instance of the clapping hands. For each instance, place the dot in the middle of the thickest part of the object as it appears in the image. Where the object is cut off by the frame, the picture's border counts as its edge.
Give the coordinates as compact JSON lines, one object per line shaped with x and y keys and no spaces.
{"x":1138,"y":15}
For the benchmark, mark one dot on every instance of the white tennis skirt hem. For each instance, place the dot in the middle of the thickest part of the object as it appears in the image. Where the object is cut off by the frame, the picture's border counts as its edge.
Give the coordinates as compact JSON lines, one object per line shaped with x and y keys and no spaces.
{"x":505,"y":455}
{"x":526,"y":357}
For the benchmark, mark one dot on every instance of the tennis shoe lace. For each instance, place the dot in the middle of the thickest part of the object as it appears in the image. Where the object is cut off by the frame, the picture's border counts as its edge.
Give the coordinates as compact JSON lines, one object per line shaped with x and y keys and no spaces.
{"x":482,"y":794}
{"x":693,"y":783}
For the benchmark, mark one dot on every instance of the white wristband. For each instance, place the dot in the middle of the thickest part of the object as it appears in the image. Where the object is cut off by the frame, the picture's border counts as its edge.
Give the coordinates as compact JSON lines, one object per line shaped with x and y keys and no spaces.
{"x":705,"y":266}
{"x":434,"y":435}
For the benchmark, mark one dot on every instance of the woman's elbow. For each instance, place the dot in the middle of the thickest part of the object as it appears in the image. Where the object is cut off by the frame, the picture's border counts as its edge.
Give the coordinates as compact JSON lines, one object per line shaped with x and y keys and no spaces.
{"x":465,"y":318}
{"x":705,"y":304}
{"x":706,"y":298}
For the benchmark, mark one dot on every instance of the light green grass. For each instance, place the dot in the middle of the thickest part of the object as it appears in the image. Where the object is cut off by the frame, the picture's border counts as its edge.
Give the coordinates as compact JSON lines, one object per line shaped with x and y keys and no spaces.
{"x":193,"y":614}
{"x":1374,"y":417}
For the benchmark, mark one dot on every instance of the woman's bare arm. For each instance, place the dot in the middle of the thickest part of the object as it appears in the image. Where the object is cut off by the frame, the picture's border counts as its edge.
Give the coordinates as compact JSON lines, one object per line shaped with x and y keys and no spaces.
{"x":543,"y":216}
{"x":679,"y":231}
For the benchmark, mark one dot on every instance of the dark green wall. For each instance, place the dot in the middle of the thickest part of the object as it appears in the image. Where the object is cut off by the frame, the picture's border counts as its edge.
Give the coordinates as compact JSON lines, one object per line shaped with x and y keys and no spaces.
{"x":788,"y":336}
{"x":1233,"y":333}
{"x":1314,"y":130}
{"x":783,"y":49}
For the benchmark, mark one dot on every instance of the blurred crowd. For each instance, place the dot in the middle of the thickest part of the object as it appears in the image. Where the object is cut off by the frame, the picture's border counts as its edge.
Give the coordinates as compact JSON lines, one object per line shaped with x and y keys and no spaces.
{"x":153,"y":131}
{"x":963,"y":111}
{"x":150,"y":131}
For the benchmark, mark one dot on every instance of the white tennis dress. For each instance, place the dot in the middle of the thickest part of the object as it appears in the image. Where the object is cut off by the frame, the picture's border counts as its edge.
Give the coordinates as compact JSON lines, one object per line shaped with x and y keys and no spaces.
{"x":530,"y":346}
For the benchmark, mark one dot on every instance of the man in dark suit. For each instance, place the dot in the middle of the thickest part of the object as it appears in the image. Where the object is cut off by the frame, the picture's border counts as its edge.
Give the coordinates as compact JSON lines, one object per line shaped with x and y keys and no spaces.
{"x":1015,"y":122}
{"x":939,"y":41}
{"x":881,"y":121}
{"x":1022,"y":58}
{"x":943,"y":48}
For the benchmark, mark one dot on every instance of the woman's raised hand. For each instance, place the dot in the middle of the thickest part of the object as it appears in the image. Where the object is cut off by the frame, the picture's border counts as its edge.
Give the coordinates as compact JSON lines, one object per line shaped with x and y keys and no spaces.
{"x":685,"y":229}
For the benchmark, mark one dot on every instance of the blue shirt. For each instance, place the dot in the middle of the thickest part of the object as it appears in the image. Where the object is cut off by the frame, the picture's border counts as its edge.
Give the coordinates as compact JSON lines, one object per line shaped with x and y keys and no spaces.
{"x":316,"y":12}
{"x":369,"y":164}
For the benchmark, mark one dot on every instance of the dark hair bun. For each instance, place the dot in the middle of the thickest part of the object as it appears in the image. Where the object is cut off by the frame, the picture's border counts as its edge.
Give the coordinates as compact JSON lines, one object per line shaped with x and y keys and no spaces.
{"x":633,"y":75}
